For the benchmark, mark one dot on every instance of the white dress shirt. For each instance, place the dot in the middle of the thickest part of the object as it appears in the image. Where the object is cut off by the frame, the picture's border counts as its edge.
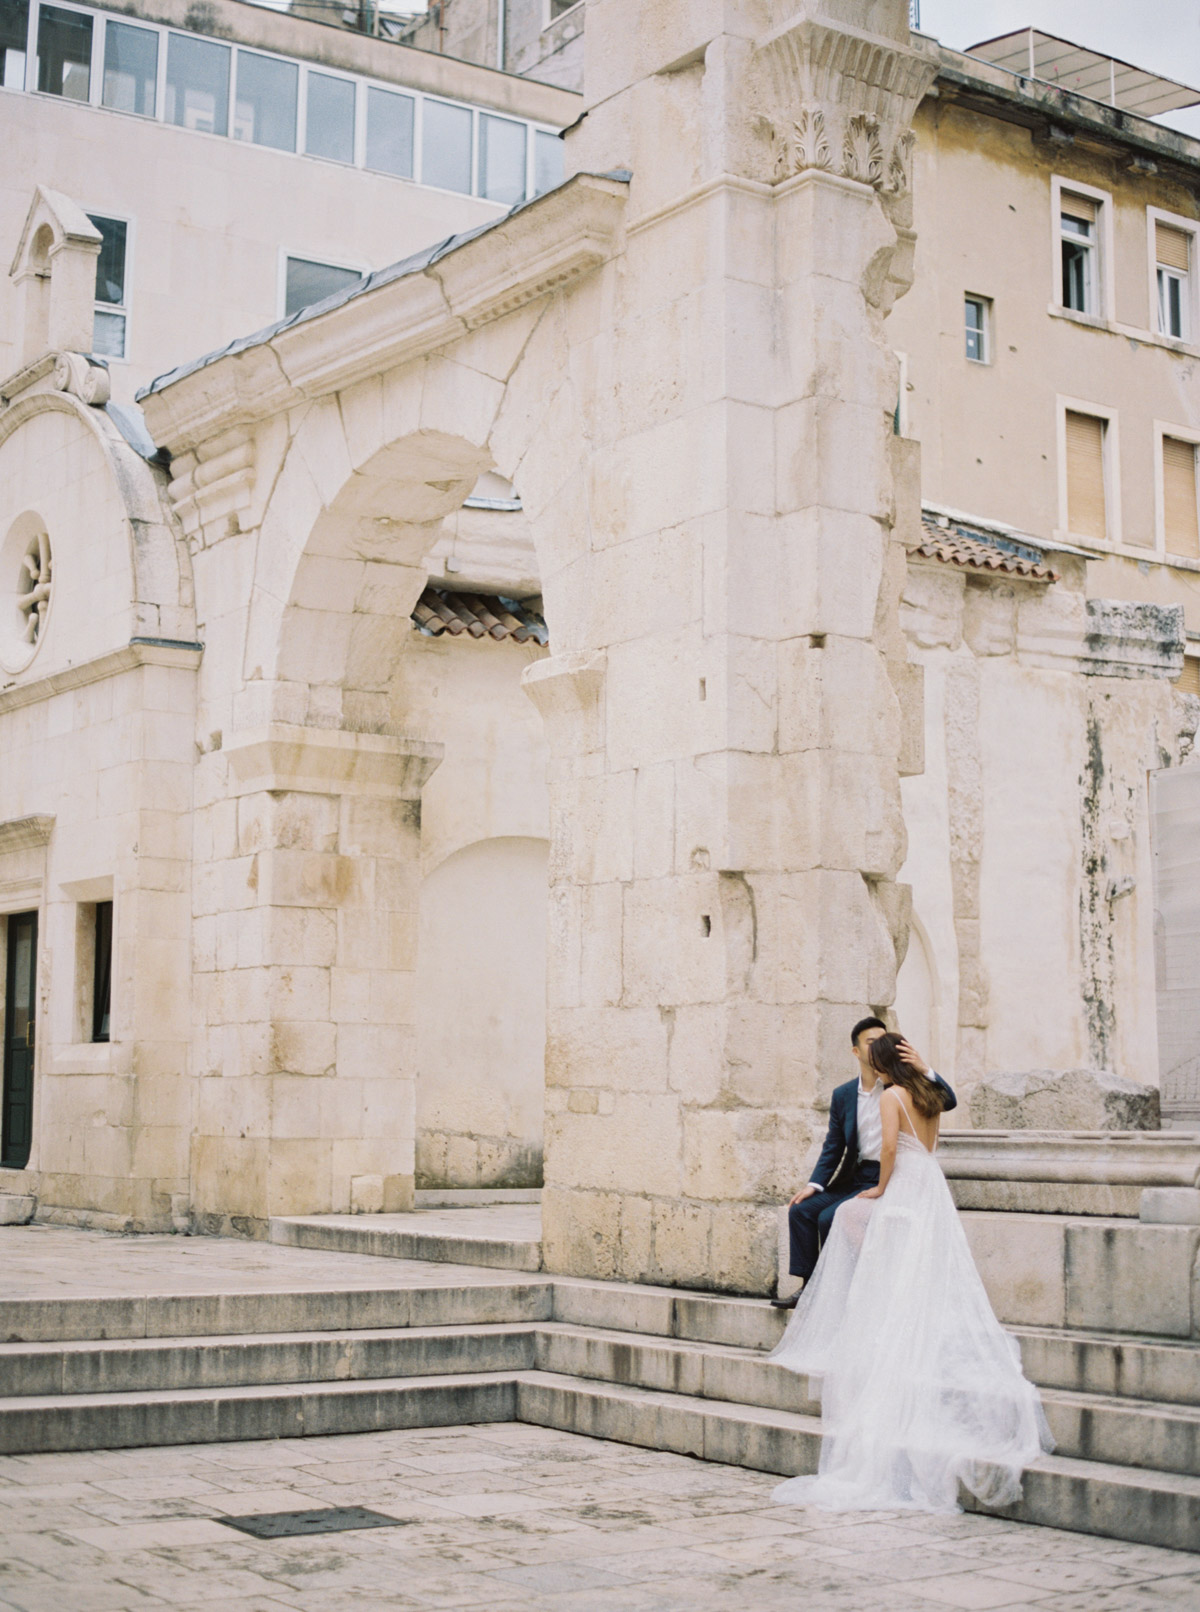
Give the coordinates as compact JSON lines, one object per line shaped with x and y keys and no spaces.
{"x":870,"y":1123}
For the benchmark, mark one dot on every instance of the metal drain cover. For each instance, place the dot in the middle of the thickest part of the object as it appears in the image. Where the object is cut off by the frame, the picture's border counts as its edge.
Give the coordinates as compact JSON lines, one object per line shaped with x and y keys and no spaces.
{"x":328,"y":1520}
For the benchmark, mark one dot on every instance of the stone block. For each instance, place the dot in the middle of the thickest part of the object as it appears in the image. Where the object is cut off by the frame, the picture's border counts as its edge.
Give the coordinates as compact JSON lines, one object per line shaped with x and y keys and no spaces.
{"x":1073,"y":1100}
{"x":1170,"y":1206}
{"x":366,"y":1194}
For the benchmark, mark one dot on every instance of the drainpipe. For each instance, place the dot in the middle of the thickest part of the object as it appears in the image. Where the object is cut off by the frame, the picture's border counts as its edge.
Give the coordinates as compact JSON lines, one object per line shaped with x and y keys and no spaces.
{"x":501,"y":32}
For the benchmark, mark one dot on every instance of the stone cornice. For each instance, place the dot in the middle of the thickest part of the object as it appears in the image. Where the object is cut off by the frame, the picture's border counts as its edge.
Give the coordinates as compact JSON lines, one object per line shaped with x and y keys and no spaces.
{"x":25,"y":833}
{"x":126,"y":659}
{"x":535,"y":251}
{"x":329,"y":761}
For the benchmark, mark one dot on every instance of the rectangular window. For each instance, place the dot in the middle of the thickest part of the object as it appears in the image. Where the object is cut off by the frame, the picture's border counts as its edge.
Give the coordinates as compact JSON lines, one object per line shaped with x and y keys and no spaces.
{"x":102,"y":971}
{"x":308,"y":282}
{"x":558,"y":7}
{"x":267,"y":93}
{"x":329,"y":124}
{"x":547,"y":162}
{"x":1173,"y":253}
{"x":197,"y":84}
{"x":1080,"y":268}
{"x":977,"y":312}
{"x":390,"y":133}
{"x":446,"y":142}
{"x":1188,"y":681}
{"x":1087,"y":513}
{"x":501,"y":159}
{"x":64,"y":63}
{"x":14,"y":34}
{"x":108,"y":334}
{"x":1181,"y":514}
{"x":130,"y":68}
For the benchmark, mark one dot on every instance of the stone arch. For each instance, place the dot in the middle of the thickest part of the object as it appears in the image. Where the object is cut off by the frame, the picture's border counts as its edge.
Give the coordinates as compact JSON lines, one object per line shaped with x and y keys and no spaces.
{"x":481,"y":968}
{"x":153,"y":599}
{"x":368,"y":476}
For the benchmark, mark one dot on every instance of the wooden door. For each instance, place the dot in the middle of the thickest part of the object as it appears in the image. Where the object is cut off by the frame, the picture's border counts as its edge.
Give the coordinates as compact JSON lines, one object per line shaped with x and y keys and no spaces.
{"x":20,"y":998}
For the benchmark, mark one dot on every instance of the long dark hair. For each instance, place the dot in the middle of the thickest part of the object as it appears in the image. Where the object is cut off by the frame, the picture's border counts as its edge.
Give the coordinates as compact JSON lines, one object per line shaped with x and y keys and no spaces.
{"x":927,"y":1098}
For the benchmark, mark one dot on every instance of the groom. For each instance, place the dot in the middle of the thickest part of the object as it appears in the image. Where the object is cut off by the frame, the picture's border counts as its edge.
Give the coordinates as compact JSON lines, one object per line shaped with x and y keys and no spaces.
{"x":849,"y":1162}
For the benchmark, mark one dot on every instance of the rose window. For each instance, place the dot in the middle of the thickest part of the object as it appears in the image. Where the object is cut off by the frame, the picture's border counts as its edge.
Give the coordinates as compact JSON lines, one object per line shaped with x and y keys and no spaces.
{"x":33,"y":588}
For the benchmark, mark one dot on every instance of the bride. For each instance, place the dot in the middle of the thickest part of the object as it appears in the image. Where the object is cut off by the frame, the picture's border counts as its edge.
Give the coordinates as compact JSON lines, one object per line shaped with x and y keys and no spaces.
{"x":920,"y":1387}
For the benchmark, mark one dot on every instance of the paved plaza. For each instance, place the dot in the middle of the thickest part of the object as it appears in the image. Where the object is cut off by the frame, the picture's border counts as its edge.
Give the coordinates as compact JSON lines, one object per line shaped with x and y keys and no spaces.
{"x":514,"y":1518}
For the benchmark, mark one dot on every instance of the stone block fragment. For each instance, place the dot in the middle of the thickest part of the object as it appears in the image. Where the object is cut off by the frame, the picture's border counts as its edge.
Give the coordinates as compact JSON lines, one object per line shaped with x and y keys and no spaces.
{"x":1073,"y":1100}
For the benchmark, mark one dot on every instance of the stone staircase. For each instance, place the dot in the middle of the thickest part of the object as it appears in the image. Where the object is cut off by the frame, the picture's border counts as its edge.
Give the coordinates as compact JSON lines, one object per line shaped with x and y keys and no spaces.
{"x":657,"y":1367}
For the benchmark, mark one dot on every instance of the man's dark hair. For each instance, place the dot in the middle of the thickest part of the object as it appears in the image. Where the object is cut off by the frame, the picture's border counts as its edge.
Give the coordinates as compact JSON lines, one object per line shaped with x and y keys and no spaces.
{"x":865,"y":1024}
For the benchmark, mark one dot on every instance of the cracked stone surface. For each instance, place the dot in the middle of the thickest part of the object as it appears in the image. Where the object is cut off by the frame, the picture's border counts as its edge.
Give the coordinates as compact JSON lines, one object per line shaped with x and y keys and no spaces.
{"x":514,"y":1518}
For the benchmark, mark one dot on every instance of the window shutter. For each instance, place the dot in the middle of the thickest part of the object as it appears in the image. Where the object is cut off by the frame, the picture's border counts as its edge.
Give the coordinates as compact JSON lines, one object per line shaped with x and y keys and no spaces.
{"x":1086,"y":514}
{"x":1181,"y":521}
{"x":1079,"y":207}
{"x":1172,"y":247}
{"x":1188,"y":681}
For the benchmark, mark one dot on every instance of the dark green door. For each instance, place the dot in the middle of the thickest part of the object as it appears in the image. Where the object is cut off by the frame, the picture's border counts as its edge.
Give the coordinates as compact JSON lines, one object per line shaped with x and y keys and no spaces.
{"x":20,"y":998}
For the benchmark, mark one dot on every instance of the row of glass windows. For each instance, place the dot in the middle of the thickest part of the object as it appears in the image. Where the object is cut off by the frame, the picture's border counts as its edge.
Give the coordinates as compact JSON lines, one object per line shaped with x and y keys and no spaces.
{"x":214,"y":88}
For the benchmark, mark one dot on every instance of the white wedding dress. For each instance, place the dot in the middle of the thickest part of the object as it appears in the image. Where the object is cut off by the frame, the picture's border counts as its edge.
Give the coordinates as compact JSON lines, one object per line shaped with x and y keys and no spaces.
{"x":921,"y":1389}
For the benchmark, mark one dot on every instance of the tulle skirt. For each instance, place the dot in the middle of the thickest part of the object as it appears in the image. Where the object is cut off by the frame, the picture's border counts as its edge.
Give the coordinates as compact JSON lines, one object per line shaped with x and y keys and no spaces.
{"x":921,"y":1389}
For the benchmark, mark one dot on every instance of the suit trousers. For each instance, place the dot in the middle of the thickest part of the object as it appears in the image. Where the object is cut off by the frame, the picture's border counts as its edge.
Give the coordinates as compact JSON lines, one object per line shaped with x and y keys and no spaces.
{"x":809,"y":1222}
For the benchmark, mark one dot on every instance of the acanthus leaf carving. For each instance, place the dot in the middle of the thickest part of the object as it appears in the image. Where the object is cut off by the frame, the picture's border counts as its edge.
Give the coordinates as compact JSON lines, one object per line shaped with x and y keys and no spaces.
{"x":803,"y":145}
{"x":862,"y":150}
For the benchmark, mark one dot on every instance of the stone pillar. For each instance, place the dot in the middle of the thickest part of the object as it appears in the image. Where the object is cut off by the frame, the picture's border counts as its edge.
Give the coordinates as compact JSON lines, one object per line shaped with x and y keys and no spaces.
{"x":725,"y":733}
{"x":306,"y":903}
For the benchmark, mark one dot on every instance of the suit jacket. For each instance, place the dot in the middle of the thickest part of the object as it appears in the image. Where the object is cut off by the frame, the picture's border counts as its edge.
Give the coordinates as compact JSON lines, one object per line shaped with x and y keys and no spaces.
{"x":839,"y":1157}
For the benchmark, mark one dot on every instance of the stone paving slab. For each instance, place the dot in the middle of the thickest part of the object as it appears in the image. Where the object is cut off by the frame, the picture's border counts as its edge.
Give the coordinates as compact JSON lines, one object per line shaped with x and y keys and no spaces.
{"x":514,"y":1518}
{"x":50,"y":1262}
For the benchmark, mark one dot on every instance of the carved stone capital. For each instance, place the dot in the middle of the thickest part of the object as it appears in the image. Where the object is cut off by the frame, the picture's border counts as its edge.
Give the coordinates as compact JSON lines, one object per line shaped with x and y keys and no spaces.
{"x":841,"y":101}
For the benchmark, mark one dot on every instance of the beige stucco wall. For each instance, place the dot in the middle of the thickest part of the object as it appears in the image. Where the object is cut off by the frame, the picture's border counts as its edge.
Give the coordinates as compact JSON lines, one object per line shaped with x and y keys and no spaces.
{"x":988,"y":433}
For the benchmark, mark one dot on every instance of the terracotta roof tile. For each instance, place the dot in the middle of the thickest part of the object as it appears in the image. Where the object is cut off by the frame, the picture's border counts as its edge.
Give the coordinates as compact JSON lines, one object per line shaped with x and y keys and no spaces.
{"x":481,"y":615}
{"x":978,"y":550}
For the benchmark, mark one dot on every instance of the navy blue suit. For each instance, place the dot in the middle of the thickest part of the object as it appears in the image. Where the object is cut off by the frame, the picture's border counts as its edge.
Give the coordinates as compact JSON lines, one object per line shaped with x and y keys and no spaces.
{"x":841,"y":1174}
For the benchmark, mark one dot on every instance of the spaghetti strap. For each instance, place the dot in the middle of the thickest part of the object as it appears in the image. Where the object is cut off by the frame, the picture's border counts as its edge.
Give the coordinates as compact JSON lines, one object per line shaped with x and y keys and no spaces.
{"x":912,"y":1128}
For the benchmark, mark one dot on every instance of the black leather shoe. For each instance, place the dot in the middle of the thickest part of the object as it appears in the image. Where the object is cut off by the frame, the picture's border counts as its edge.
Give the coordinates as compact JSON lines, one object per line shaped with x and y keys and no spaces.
{"x":787,"y":1304}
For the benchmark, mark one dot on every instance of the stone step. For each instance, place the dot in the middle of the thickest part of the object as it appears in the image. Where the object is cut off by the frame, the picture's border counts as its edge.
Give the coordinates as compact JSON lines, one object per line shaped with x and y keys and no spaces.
{"x":1125,"y":1432}
{"x":505,"y":1236}
{"x":36,"y":1423}
{"x":1117,"y":1364}
{"x":136,"y":1365}
{"x":1149,"y":1508}
{"x":437,"y":1300}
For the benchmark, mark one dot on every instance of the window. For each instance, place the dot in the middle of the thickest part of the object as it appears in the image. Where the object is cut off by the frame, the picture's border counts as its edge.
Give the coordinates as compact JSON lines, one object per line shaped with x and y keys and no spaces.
{"x":1173,"y":255}
{"x":267,"y":90}
{"x":390,"y":120}
{"x":197,"y":84}
{"x":1087,"y":511}
{"x":14,"y":34}
{"x":446,"y":134}
{"x":64,"y":62}
{"x":102,"y":971}
{"x":308,"y":282}
{"x":558,"y":7}
{"x":108,"y":333}
{"x":130,"y":68}
{"x":329,"y":124}
{"x":1188,"y":681}
{"x":501,"y":159}
{"x":1079,"y":221}
{"x":1181,"y":515}
{"x":977,"y":312}
{"x":547,"y":162}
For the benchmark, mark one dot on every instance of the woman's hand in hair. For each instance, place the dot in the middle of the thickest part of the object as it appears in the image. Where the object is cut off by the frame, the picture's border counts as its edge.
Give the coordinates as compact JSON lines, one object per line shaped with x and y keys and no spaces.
{"x":911,"y":1056}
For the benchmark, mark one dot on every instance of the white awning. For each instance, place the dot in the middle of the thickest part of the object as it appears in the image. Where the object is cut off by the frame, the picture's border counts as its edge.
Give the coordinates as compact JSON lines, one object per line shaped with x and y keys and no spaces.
{"x":1034,"y":54}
